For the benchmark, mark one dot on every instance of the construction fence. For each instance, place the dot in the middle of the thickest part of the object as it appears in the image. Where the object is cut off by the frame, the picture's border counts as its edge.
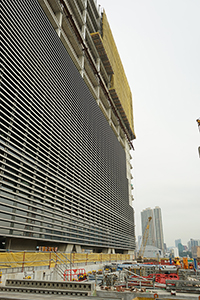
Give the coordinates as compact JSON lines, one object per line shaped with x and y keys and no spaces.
{"x":50,"y":259}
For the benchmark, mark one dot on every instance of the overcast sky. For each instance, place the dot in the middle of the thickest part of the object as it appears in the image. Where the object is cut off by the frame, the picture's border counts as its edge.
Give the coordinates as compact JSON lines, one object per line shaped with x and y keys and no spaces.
{"x":159,"y":45}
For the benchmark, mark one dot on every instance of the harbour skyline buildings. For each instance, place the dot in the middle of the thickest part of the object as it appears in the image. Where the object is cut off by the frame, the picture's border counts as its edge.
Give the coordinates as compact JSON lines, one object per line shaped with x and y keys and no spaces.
{"x":66,"y":132}
{"x":145,"y":215}
{"x":178,"y":241}
{"x":158,"y":228}
{"x":155,"y":237}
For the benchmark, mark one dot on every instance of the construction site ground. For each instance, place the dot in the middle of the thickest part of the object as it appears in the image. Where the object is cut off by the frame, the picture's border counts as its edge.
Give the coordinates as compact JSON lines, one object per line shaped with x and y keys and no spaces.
{"x":148,"y":295}
{"x":102,"y":295}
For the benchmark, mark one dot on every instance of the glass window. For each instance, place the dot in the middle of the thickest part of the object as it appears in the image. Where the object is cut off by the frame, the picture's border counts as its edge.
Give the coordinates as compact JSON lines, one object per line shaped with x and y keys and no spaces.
{"x":25,"y":182}
{"x":48,"y":214}
{"x":11,"y":170}
{"x":6,"y":208}
{"x":20,"y":226}
{"x":22,"y":206}
{"x":17,"y":218}
{"x":10,"y":175}
{"x":23,"y":194}
{"x":39,"y":189}
{"x":6,"y":201}
{"x":48,"y":237}
{"x":2,"y":141}
{"x":23,"y":199}
{"x":16,"y":232}
{"x":29,"y":168}
{"x":36,"y":235}
{"x":4,"y":231}
{"x":37,"y":223}
{"x":25,"y":189}
{"x":26,"y":177}
{"x":14,"y":159}
{"x":5,"y":216}
{"x":11,"y":152}
{"x":4,"y":223}
{"x":8,"y":189}
{"x":57,"y":232}
{"x":21,"y":212}
{"x":14,"y":148}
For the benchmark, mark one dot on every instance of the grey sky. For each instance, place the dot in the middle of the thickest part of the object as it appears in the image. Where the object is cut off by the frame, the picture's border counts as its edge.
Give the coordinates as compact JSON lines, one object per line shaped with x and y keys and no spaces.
{"x":159,"y":45}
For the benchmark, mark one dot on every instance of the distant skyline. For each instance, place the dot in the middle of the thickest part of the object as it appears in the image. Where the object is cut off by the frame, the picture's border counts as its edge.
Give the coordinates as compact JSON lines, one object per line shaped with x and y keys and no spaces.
{"x":159,"y":45}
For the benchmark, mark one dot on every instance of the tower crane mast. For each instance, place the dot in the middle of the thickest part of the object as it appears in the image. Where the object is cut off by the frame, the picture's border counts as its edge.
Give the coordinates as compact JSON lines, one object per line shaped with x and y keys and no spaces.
{"x":144,"y":240}
{"x":198,"y":122}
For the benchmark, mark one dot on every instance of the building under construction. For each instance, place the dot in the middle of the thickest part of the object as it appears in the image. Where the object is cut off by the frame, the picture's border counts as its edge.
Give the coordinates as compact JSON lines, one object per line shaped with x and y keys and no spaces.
{"x":66,"y":130}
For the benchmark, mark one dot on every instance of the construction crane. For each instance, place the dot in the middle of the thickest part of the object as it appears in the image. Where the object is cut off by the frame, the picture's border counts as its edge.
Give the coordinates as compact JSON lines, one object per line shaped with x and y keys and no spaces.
{"x":144,"y":241}
{"x":198,"y":122}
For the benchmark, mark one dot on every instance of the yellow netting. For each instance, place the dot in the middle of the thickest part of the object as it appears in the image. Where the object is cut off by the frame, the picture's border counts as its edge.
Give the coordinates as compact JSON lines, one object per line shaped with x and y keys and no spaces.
{"x":25,"y":259}
{"x":93,"y":257}
{"x":78,"y":257}
{"x":119,"y":81}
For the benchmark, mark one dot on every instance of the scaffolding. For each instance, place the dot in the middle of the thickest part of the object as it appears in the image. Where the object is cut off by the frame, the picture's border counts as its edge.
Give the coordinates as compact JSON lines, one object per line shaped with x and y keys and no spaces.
{"x":120,"y":89}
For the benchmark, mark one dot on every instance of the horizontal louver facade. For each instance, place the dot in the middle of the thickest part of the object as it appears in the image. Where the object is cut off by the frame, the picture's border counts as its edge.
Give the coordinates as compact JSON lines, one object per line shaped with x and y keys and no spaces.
{"x":63,"y":171}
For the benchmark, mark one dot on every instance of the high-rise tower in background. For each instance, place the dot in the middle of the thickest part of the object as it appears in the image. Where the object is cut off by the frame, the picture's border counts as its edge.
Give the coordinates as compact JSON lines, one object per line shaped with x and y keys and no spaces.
{"x":66,"y":130}
{"x":178,"y":241}
{"x":145,"y":214}
{"x":155,"y":237}
{"x":159,"y":240}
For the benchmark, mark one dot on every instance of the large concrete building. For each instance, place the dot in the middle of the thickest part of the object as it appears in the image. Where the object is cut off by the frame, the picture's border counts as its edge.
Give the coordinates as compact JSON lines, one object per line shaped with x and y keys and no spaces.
{"x":66,"y":130}
{"x":155,"y":237}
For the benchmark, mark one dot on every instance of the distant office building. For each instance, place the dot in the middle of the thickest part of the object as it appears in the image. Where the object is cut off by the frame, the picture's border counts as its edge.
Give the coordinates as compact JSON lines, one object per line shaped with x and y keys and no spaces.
{"x":193,"y":243}
{"x":155,"y":229}
{"x":139,"y":241}
{"x":153,"y":252}
{"x":173,"y":252}
{"x":195,"y":251}
{"x":159,"y":240}
{"x":178,"y":241}
{"x":145,"y":214}
{"x":66,"y":130}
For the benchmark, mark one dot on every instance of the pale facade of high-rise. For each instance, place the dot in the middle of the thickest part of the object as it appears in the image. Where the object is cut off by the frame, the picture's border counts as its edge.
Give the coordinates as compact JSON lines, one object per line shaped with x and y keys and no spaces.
{"x":145,"y":214}
{"x":159,"y":241}
{"x":155,"y":237}
{"x":178,"y":241}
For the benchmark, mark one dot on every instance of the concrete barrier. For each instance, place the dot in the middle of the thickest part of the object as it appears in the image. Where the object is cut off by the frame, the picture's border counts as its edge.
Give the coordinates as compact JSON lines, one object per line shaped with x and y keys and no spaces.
{"x":44,"y":291}
{"x":48,"y":287}
{"x":69,"y":285}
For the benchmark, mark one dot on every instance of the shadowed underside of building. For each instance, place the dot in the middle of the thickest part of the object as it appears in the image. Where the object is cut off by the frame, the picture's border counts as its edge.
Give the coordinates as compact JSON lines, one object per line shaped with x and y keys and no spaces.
{"x":65,"y":146}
